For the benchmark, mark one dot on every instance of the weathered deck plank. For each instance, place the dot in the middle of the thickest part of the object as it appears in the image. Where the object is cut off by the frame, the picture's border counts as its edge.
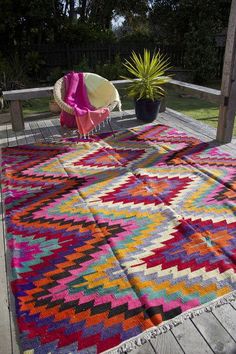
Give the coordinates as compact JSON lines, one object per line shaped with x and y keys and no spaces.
{"x":45,"y":131}
{"x":166,"y":343}
{"x":20,"y":136}
{"x":29,"y":134}
{"x":190,"y":338}
{"x":214,"y":333}
{"x":191,"y":126}
{"x":11,"y":136}
{"x":227,"y":317}
{"x":53,"y":130}
{"x":5,"y":323}
{"x":36,"y":131}
{"x":3,"y":135}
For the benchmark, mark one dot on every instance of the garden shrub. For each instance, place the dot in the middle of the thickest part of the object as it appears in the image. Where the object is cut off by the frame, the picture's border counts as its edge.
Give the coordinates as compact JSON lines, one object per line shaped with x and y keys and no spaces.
{"x":111,"y":71}
{"x":82,"y":66}
{"x":55,"y":74}
{"x":12,"y":74}
{"x":201,"y":55}
{"x":34,"y":63}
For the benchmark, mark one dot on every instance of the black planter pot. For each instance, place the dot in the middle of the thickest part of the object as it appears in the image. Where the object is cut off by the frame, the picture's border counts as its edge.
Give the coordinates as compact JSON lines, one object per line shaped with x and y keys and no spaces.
{"x":146,"y":109}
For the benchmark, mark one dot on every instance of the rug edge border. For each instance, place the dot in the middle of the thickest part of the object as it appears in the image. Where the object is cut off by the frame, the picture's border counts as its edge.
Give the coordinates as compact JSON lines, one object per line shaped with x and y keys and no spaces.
{"x":153,"y":332}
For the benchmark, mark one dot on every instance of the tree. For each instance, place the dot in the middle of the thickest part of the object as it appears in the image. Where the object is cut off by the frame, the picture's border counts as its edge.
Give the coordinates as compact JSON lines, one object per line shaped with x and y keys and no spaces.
{"x":27,"y":23}
{"x":208,"y":18}
{"x":193,"y":25}
{"x":168,"y":22}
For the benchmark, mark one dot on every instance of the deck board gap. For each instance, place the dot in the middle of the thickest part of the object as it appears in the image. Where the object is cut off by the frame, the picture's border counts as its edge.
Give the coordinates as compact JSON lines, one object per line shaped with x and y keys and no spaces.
{"x":222,"y":323}
{"x":178,"y":342}
{"x":204,"y":339}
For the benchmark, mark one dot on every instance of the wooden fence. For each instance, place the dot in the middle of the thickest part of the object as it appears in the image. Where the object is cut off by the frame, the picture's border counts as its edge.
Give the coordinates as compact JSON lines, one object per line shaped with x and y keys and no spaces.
{"x":67,"y":56}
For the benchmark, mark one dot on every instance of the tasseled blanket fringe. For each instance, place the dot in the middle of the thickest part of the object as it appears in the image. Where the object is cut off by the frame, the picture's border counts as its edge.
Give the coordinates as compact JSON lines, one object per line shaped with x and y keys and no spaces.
{"x":95,"y":130}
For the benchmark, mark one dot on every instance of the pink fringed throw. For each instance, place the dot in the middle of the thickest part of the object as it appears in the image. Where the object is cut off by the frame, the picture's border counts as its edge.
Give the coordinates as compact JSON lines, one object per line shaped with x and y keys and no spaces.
{"x":86,"y":116}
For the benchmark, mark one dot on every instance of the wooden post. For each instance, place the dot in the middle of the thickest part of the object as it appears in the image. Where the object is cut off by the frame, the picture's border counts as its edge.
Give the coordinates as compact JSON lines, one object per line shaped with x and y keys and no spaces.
{"x":17,"y":116}
{"x":163,"y":105}
{"x":228,"y":85}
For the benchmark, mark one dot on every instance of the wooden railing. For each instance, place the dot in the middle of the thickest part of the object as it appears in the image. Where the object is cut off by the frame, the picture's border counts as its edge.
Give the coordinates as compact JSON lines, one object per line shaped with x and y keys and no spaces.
{"x":202,"y":92}
{"x":15,"y":97}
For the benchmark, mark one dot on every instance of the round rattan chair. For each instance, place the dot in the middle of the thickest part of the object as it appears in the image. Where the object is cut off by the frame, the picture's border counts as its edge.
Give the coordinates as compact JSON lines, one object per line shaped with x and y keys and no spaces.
{"x":59,"y":94}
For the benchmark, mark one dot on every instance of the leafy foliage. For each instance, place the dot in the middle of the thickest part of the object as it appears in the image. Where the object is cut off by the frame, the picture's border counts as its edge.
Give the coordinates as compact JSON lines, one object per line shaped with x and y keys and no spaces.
{"x":29,"y":23}
{"x":201,"y":51}
{"x":111,"y":71}
{"x":27,"y":27}
{"x":83,"y":66}
{"x":54,"y":75}
{"x":12,"y":77}
{"x":149,"y":72}
{"x":33,"y":63}
{"x":193,"y":25}
{"x":80,"y":33}
{"x":12,"y":74}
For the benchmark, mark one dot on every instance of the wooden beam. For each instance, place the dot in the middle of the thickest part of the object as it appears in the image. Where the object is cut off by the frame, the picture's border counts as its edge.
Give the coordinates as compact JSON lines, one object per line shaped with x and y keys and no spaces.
{"x":17,"y":118}
{"x":202,"y":92}
{"x":228,"y":85}
{"x":27,"y":94}
{"x":38,"y":92}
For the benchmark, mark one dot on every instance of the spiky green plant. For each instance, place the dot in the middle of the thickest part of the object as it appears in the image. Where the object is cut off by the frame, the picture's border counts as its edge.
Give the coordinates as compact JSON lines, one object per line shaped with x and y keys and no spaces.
{"x":149,"y":75}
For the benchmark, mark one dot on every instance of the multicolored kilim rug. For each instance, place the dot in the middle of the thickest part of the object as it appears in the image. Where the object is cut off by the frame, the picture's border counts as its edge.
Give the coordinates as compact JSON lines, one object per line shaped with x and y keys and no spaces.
{"x":116,"y":239}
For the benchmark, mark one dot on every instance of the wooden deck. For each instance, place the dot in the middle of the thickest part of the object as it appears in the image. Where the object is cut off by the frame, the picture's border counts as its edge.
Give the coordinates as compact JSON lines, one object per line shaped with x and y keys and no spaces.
{"x":212,"y":332}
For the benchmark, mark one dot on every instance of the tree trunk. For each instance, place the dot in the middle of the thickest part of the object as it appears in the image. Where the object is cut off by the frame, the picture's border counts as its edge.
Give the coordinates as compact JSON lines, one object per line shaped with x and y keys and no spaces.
{"x":72,"y":11}
{"x":66,"y":7}
{"x":82,"y":10}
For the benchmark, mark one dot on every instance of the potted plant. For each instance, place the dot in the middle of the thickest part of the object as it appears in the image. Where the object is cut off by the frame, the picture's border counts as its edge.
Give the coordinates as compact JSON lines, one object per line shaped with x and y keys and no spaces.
{"x":149,"y":76}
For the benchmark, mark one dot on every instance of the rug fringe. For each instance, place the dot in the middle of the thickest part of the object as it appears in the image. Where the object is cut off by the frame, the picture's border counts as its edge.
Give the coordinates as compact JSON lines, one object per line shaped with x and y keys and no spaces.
{"x":153,"y":332}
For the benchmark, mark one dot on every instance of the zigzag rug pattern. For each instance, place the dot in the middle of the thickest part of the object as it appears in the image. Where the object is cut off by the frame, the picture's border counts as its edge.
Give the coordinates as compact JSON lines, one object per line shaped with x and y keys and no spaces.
{"x":114,"y":236}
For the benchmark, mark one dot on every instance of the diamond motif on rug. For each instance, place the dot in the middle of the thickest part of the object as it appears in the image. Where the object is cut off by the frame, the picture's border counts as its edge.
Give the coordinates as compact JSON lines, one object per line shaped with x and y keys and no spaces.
{"x":197,"y":244}
{"x":110,"y":157}
{"x":147,"y":190}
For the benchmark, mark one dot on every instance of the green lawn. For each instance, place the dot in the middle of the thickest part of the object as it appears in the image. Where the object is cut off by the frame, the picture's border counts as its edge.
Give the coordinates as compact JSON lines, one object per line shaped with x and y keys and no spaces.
{"x":203,"y":111}
{"x":37,"y":105}
{"x":198,"y":109}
